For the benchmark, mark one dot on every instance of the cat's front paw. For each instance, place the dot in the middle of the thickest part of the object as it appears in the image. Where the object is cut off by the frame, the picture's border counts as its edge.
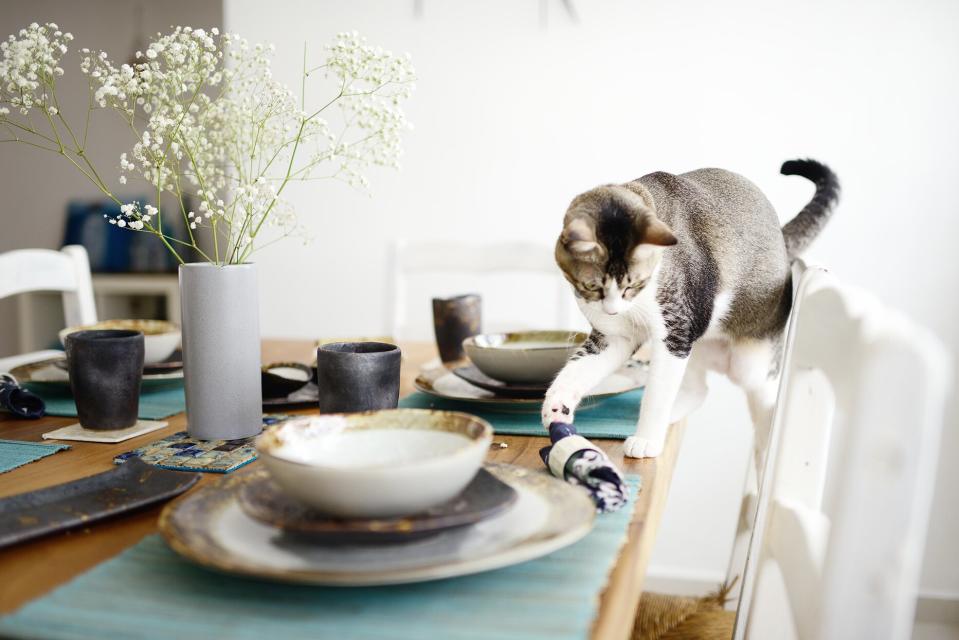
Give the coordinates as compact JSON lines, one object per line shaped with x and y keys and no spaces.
{"x":640,"y":447}
{"x":559,"y":406}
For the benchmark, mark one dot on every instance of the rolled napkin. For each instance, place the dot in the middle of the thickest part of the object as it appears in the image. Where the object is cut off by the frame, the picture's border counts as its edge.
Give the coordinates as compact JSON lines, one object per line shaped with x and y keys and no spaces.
{"x":19,"y":401}
{"x":575,"y":459}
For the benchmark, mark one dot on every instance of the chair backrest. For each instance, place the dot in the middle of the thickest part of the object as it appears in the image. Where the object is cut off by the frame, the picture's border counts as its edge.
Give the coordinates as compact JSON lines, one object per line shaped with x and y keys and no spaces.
{"x":468,"y":262}
{"x":67,"y":270}
{"x":844,"y":500}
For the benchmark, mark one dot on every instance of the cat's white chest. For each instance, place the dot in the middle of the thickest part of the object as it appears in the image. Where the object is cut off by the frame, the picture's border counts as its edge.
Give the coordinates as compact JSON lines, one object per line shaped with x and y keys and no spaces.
{"x":641,"y":321}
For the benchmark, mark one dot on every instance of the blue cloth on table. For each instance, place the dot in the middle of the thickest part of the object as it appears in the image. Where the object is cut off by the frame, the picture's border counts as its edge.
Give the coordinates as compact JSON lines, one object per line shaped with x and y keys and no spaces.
{"x":14,"y":453}
{"x":154,"y":405}
{"x":151,"y":593}
{"x":610,"y":418}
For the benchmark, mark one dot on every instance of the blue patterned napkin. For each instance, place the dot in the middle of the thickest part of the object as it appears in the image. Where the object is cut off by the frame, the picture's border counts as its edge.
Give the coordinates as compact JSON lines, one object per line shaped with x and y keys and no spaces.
{"x":611,"y":418}
{"x":151,"y":593}
{"x":14,"y":453}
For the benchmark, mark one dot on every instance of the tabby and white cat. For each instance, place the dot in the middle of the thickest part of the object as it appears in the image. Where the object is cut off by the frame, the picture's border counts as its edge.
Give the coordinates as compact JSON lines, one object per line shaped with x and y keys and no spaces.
{"x":697,"y":265}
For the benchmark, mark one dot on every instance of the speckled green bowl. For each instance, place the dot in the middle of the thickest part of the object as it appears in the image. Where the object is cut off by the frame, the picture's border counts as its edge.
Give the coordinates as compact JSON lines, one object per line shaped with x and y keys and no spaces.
{"x":386,"y":475}
{"x":527,"y":357}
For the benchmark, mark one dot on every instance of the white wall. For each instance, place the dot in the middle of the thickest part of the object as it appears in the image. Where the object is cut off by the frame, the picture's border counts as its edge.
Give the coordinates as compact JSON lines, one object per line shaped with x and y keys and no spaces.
{"x":513,"y":119}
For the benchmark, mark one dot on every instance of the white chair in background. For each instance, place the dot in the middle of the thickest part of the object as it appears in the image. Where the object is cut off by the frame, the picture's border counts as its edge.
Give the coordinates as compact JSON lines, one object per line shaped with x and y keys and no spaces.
{"x":470,"y":260}
{"x":844,"y":500}
{"x":67,"y":271}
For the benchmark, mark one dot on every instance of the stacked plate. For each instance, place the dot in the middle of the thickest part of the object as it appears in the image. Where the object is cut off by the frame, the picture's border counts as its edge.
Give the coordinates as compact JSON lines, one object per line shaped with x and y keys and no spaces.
{"x":51,"y":375}
{"x":513,"y":371}
{"x":340,"y":501}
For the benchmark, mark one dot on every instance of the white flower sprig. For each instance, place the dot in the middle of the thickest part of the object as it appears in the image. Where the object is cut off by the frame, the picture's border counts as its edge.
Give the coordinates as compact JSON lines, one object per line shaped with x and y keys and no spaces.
{"x":209,"y":121}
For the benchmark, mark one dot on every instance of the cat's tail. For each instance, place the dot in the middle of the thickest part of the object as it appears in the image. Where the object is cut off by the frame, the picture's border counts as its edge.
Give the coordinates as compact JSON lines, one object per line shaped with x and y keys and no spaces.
{"x":803,"y":229}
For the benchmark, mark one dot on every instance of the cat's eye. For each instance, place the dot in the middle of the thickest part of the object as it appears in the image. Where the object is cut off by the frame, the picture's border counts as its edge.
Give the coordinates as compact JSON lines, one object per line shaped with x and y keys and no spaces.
{"x":591,"y":286}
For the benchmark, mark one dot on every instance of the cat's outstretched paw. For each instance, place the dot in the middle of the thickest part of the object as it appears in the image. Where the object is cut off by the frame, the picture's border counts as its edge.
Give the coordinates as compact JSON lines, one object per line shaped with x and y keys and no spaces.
{"x":640,"y":447}
{"x":558,"y":407}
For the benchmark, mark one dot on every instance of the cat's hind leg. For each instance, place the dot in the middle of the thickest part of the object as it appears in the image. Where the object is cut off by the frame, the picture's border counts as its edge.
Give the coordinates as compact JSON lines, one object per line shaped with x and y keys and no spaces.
{"x":751,"y":368}
{"x":599,"y":356}
{"x":705,"y":356}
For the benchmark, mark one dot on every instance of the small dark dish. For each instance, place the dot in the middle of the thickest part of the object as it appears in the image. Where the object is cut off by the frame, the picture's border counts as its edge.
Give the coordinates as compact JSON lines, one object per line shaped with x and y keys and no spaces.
{"x":277,"y":385}
{"x":132,"y":485}
{"x":454,"y":320}
{"x":358,"y":376}
{"x":303,"y":398}
{"x":504,"y":389}
{"x":105,"y":368}
{"x":261,"y":499}
{"x":170,"y":365}
{"x":173,"y":363}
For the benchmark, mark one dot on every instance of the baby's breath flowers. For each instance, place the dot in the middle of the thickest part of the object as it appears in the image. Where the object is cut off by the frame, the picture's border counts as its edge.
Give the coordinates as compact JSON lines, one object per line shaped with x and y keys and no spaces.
{"x":210,"y":125}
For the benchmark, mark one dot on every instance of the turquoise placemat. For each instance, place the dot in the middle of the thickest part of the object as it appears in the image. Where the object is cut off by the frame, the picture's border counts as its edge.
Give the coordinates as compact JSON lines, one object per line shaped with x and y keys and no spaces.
{"x":154,"y":405}
{"x":149,"y":592}
{"x":611,"y":418}
{"x":14,"y":453}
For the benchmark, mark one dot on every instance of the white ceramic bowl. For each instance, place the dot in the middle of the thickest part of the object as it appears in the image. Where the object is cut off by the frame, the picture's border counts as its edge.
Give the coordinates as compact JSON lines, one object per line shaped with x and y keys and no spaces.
{"x":531,"y":357}
{"x":376,"y":464}
{"x":160,"y":338}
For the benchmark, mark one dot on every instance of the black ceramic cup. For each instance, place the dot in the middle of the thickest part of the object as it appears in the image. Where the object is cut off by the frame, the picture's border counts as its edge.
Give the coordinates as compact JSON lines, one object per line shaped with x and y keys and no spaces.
{"x":454,"y":320}
{"x":106,"y":368}
{"x":358,"y":376}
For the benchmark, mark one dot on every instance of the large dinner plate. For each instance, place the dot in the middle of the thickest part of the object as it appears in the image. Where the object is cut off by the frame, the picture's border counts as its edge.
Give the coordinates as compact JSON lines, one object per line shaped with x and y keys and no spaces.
{"x":442,"y":383}
{"x":49,"y":375}
{"x":210,"y":528}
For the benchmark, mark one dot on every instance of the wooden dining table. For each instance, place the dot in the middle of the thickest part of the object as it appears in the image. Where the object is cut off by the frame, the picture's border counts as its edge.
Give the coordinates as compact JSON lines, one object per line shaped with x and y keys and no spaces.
{"x":30,"y":569}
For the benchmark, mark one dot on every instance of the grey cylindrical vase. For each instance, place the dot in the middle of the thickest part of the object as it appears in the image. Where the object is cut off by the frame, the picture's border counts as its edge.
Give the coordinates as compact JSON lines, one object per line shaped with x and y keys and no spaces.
{"x":221,"y":350}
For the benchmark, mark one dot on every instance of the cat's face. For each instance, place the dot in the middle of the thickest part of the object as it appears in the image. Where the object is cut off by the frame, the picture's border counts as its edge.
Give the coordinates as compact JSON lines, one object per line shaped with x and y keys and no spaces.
{"x":610,"y":246}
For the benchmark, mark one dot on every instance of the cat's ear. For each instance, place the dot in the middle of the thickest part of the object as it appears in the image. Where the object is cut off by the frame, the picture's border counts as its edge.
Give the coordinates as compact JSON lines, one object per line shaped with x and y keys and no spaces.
{"x":658,"y":233}
{"x":579,"y":238}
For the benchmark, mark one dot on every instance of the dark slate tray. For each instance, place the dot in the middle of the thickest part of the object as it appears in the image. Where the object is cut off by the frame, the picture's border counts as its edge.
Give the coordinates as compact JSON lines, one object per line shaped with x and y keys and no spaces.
{"x":129,"y":486}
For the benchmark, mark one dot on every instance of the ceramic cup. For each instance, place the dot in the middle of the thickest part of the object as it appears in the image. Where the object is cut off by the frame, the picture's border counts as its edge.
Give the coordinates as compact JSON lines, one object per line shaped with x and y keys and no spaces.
{"x":106,"y":367}
{"x":358,"y":376}
{"x":454,"y":320}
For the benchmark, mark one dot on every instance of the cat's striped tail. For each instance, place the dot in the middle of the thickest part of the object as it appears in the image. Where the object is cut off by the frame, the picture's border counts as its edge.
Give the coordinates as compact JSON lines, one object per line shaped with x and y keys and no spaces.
{"x":803,"y":229}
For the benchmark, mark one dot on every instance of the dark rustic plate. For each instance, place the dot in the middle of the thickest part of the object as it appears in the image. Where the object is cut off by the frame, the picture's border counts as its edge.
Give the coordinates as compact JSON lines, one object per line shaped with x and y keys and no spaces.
{"x":171,"y":364}
{"x":505,"y":389}
{"x":129,"y":486}
{"x":440,"y":382}
{"x":306,"y":398}
{"x":50,"y":376}
{"x":261,"y":499}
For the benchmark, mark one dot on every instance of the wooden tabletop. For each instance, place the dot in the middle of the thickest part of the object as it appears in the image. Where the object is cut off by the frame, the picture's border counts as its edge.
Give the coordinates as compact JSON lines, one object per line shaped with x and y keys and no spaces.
{"x":33,"y":568}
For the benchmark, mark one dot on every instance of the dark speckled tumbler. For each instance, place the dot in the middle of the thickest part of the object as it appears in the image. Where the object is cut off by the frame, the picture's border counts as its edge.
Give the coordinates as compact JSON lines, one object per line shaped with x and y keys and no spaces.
{"x":358,"y":376}
{"x":106,"y":368}
{"x":454,"y":320}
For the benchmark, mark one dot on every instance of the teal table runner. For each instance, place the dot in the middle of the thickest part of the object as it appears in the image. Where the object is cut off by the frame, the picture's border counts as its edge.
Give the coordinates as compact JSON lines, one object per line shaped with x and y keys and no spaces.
{"x":611,"y":418}
{"x":151,"y":593}
{"x":154,"y":405}
{"x":14,"y":453}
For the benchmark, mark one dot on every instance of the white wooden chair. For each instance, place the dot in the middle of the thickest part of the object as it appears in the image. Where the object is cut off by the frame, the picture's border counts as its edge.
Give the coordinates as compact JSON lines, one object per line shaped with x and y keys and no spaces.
{"x":67,"y":271}
{"x":468,"y":262}
{"x":844,"y":501}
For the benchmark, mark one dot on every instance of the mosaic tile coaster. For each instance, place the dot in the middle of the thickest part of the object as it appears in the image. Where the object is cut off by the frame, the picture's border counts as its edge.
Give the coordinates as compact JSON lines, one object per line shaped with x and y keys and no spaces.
{"x":77,"y":432}
{"x":180,"y":452}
